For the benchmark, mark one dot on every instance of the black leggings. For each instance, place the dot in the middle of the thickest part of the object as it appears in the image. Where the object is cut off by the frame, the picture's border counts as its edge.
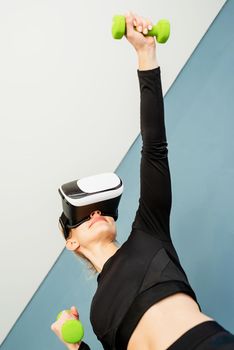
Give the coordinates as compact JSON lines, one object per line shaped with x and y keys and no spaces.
{"x":208,"y":335}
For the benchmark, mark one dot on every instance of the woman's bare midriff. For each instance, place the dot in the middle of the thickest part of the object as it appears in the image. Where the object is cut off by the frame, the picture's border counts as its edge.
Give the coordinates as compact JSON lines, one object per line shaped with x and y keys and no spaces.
{"x":165,"y":322}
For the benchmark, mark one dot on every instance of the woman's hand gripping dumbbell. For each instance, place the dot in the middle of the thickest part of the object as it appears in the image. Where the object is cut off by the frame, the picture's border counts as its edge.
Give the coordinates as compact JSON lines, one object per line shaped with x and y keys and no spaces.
{"x":136,"y":31}
{"x":128,"y":24}
{"x":68,"y":328}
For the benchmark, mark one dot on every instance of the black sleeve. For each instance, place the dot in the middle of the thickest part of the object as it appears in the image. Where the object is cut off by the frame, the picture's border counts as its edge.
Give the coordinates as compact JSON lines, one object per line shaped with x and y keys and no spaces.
{"x":84,"y":346}
{"x":155,"y":184}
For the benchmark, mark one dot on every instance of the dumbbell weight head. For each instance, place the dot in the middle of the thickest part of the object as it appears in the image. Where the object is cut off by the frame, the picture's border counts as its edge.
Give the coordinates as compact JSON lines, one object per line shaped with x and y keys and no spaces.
{"x":161,"y":30}
{"x":118,"y":26}
{"x":72,"y":330}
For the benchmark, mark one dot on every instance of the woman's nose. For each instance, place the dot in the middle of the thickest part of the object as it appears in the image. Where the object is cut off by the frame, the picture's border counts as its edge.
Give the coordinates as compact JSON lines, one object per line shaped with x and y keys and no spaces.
{"x":96,"y":212}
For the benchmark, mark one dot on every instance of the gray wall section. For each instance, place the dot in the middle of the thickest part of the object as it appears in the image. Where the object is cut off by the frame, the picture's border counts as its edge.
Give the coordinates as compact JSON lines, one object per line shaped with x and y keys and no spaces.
{"x":200,"y":129}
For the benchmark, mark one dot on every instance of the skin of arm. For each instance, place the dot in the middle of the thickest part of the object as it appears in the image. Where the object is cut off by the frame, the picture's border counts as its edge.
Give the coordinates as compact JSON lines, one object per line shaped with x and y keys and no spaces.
{"x":147,"y":59}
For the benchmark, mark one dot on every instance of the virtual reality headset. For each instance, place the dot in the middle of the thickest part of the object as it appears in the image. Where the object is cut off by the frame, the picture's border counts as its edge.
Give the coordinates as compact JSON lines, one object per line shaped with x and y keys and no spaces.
{"x":82,"y":197}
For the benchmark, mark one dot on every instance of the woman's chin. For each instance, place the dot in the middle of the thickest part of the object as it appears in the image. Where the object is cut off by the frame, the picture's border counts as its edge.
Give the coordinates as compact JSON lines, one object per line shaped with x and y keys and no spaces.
{"x":103,"y":228}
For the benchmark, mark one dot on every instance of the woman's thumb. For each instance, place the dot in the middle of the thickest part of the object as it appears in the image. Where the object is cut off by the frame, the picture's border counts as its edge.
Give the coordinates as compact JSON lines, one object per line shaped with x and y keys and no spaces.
{"x":129,"y":23}
{"x":74,"y":311}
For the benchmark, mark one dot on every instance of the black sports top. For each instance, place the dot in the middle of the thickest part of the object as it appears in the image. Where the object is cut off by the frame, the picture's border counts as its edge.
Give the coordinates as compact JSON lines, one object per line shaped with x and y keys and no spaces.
{"x":146,"y":268}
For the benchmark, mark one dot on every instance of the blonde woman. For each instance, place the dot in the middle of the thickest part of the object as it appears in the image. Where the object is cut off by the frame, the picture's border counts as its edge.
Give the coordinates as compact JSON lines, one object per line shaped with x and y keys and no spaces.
{"x":143,"y":299}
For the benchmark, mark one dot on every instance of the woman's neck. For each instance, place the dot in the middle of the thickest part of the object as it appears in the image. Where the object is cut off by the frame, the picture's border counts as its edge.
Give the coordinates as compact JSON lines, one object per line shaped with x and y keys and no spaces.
{"x":99,"y":253}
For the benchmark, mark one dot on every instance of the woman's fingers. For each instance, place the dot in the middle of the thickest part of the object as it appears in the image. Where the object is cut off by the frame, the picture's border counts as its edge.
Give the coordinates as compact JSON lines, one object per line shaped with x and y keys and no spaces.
{"x":138,"y":22}
{"x":149,"y":24}
{"x":142,"y":24}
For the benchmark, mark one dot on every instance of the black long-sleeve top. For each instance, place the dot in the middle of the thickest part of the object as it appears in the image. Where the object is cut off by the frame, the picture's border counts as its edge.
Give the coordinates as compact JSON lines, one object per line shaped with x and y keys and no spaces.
{"x":146,"y":268}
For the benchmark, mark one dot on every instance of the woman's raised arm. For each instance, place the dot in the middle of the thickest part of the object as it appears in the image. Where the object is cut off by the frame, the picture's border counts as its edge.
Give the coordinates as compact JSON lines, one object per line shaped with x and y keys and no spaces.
{"x":155,"y":192}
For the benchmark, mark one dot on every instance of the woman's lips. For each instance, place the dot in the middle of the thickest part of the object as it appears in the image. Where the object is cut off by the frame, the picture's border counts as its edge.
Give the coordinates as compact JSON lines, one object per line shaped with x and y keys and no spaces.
{"x":96,"y":220}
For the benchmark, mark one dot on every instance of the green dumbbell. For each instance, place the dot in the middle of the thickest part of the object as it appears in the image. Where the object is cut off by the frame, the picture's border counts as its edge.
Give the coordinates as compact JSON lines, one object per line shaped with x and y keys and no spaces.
{"x":161,"y":30}
{"x":72,"y":330}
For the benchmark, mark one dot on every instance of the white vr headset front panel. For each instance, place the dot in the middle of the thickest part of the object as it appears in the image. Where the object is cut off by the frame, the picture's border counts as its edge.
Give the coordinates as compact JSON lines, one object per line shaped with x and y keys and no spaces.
{"x":106,"y":184}
{"x":97,"y":197}
{"x":98,"y":183}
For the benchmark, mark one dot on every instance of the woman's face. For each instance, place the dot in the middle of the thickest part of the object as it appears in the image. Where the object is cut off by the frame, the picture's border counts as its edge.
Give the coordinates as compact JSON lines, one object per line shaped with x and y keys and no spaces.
{"x":97,"y":229}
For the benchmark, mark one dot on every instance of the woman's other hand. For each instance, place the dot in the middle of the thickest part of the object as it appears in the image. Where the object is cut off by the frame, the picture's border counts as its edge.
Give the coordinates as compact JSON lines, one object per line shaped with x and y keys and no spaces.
{"x":57,"y":326}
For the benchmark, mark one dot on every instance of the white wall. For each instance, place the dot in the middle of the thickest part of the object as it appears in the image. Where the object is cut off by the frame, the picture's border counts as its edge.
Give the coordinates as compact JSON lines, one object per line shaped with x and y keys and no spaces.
{"x":69,"y":107}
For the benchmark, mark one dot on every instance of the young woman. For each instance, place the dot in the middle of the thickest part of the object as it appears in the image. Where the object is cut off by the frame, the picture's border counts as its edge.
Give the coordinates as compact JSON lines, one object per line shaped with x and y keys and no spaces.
{"x":143,"y":300}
